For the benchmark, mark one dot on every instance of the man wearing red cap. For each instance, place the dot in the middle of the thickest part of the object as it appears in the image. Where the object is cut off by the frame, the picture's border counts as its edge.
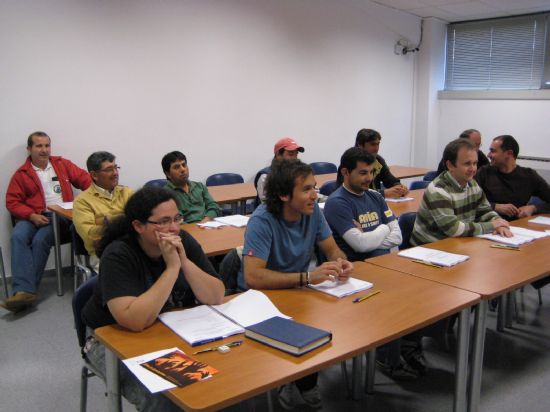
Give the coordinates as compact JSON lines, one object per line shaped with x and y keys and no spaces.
{"x":285,"y":148}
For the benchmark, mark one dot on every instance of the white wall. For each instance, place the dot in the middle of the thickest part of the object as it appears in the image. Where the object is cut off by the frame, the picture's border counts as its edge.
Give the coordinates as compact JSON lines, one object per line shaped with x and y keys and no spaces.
{"x":218,"y":80}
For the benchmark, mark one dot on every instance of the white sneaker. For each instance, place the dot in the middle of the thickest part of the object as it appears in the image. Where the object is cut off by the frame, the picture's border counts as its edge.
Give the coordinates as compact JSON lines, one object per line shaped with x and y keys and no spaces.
{"x":289,"y":396}
{"x":312,"y":397}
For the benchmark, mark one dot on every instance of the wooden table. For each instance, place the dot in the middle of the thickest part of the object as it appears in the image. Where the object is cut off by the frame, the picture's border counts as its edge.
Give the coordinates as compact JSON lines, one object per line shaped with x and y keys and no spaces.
{"x":236,"y":193}
{"x":216,"y":241}
{"x":404,"y":172}
{"x":489,"y":272}
{"x":406,"y":303}
{"x":411,"y":206}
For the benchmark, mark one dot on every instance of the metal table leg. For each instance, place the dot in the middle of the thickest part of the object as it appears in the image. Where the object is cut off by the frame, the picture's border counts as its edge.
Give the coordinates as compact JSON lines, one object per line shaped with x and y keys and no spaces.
{"x":369,"y":377}
{"x":356,"y":374}
{"x":114,"y":402}
{"x":57,"y":254}
{"x":510,"y":297}
{"x":477,"y":356}
{"x":461,"y":368}
{"x":501,"y":312}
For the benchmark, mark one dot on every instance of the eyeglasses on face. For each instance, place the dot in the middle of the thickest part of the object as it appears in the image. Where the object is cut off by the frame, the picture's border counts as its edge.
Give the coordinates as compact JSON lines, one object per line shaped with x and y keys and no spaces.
{"x":166,"y":222}
{"x":109,"y":170}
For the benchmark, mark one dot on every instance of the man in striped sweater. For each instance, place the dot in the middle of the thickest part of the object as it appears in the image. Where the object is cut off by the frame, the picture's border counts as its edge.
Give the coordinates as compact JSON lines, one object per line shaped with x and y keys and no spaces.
{"x":453,"y":204}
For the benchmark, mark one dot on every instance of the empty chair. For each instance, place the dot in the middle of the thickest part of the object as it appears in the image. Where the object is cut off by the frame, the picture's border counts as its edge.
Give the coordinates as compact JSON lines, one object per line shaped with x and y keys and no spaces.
{"x":229,"y":270}
{"x":406,"y":224}
{"x":431,"y":175}
{"x":81,"y":296}
{"x":321,"y":168}
{"x":328,"y":187}
{"x":81,"y":258}
{"x":419,"y":184}
{"x":156,"y":183}
{"x":224,"y":179}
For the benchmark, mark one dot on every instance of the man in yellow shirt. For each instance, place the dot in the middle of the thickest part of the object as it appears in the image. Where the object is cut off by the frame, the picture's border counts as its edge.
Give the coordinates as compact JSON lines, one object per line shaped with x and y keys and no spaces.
{"x":102,"y":201}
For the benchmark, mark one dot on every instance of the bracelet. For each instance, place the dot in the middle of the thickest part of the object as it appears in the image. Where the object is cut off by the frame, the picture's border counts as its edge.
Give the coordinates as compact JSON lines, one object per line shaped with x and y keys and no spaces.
{"x":307,"y":279}
{"x":301,"y":279}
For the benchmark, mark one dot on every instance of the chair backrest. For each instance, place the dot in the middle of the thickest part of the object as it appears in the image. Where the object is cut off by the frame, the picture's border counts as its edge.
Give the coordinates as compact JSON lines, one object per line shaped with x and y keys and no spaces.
{"x":419,"y":184}
{"x":328,"y":187}
{"x":229,"y":269}
{"x":224,"y":179}
{"x":535,"y":200}
{"x":78,"y":243}
{"x":80,"y":297}
{"x":321,"y":168}
{"x":156,"y":183}
{"x":431,"y":175}
{"x":406,"y":224}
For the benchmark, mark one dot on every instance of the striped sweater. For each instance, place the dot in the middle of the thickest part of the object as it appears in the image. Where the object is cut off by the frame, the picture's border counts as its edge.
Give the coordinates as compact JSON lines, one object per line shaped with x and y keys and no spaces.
{"x":447,"y":210}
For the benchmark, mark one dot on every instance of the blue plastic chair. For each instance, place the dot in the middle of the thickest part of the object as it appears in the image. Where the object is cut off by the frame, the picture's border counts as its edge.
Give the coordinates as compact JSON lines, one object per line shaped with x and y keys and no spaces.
{"x":431,"y":175}
{"x":156,"y":183}
{"x":224,"y":179}
{"x":535,"y":200}
{"x":328,"y":187}
{"x":321,"y":168}
{"x":406,"y":224}
{"x":419,"y":184}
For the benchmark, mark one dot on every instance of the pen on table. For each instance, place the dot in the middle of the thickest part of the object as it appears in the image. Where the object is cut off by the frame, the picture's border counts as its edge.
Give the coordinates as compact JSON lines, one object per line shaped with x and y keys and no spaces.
{"x":428,"y":263}
{"x":214,"y":348}
{"x":508,"y":247}
{"x":368,"y":295}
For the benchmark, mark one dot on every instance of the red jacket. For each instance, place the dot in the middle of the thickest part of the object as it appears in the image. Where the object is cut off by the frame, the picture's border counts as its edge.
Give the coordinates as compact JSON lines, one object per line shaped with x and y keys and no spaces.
{"x":25,"y":194}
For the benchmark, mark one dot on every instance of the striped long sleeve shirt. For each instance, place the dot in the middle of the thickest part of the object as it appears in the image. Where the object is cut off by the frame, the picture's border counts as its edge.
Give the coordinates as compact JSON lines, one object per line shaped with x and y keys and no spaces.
{"x":448,"y":210}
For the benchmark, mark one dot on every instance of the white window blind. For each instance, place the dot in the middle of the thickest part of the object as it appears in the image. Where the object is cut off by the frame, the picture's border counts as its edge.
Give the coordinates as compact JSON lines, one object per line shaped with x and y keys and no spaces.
{"x":496,"y":54}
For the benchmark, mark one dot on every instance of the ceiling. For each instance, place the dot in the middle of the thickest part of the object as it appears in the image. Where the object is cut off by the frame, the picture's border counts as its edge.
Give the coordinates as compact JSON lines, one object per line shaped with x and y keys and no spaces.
{"x":459,"y":10}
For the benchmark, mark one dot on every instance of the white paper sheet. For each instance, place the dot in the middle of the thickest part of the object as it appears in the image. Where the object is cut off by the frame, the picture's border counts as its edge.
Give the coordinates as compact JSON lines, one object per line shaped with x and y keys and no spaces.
{"x":438,"y":257}
{"x":151,"y":380}
{"x":398,"y":200}
{"x":212,"y":224}
{"x":233,"y":220}
{"x":541,"y":220}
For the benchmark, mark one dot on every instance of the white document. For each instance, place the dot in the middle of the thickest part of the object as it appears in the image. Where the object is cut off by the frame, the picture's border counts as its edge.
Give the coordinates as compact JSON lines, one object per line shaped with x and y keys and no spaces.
{"x":520,"y":236}
{"x":398,"y":200}
{"x":203,"y":324}
{"x":233,"y":220}
{"x":435,"y":256}
{"x":340,"y":289}
{"x":541,"y":220}
{"x":211,"y":224}
{"x":249,"y":308}
{"x":199,"y":325}
{"x":66,"y":205}
{"x":151,"y":380}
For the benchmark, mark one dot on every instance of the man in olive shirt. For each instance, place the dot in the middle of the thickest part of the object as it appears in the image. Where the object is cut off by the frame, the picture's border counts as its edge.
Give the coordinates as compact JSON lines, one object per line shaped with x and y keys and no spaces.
{"x":195,"y":203}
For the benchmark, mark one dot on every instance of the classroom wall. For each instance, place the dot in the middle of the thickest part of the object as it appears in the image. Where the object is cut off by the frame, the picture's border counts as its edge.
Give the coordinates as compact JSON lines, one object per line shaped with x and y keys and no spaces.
{"x":219,"y":80}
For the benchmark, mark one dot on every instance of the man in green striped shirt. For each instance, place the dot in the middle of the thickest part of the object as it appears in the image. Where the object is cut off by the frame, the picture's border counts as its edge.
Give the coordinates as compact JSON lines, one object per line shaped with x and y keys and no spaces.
{"x":453,"y":204}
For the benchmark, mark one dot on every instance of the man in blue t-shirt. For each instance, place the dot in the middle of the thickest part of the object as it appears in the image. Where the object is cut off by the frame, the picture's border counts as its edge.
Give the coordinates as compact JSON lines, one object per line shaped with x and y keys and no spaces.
{"x":279,"y":245}
{"x":359,"y":217}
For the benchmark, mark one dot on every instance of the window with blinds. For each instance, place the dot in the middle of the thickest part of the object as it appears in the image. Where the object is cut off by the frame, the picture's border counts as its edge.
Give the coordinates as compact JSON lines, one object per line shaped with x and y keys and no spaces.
{"x":496,"y":54}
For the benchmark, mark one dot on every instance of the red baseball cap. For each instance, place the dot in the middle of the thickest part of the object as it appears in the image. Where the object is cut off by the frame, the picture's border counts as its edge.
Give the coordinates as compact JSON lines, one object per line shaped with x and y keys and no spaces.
{"x":287,"y":143}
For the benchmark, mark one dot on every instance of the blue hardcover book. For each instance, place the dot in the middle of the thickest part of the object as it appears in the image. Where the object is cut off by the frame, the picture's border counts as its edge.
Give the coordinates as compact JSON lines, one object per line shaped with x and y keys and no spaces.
{"x":288,"y":335}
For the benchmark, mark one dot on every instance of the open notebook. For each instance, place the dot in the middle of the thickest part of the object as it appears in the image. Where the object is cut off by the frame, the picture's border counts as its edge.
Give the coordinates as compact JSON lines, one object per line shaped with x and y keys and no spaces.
{"x":207,"y":323}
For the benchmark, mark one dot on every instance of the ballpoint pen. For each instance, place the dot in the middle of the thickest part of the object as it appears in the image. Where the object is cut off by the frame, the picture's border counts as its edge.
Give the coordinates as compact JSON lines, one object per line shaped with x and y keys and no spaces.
{"x":428,"y":263}
{"x":368,"y":295}
{"x":215,"y":348}
{"x":507,"y":247}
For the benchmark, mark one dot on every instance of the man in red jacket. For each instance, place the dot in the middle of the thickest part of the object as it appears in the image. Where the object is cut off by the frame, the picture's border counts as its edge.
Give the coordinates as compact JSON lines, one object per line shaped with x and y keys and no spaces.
{"x":41,"y":181}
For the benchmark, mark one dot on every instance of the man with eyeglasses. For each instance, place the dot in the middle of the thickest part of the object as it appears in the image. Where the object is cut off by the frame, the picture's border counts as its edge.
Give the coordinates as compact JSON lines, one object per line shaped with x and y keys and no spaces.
{"x":475,"y":136}
{"x":103,"y":200}
{"x":285,"y":148}
{"x":195,"y":202}
{"x":41,"y":181}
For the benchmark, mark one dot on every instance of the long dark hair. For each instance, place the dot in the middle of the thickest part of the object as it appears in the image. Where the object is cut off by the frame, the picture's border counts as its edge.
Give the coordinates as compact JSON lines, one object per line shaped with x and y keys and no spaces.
{"x":139,"y":207}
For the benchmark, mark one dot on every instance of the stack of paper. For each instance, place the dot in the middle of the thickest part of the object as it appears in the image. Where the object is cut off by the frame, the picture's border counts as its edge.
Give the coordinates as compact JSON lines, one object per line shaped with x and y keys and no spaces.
{"x":211,"y":224}
{"x":340,"y":289}
{"x":233,"y":220}
{"x":520,"y":236}
{"x":437,"y":257}
{"x":398,"y":199}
